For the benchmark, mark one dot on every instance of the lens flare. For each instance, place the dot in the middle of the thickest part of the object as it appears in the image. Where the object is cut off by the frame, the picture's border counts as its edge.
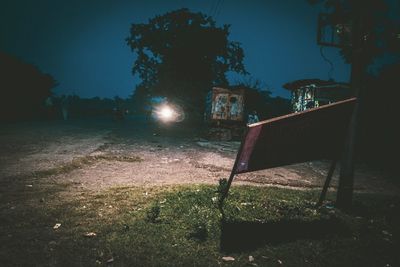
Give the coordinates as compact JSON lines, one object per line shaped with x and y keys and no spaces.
{"x":166,"y":113}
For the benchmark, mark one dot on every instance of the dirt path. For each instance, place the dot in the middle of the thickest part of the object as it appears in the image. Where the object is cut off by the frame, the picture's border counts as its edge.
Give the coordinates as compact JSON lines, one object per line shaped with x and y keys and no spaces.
{"x":99,"y":154}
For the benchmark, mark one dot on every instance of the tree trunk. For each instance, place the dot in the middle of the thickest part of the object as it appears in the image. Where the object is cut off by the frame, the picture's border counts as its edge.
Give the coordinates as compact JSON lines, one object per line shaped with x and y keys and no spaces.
{"x":346,"y":179}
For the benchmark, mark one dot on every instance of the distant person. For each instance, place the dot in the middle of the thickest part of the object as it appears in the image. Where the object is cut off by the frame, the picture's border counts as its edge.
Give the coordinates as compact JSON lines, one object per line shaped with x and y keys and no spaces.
{"x":252,"y":117}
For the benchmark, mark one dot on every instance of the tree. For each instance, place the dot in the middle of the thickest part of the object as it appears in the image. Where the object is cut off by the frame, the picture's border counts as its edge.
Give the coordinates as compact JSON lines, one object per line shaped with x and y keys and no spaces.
{"x":181,"y":55}
{"x":374,"y":29}
{"x":258,"y":98}
{"x":24,"y":88}
{"x":379,"y":120}
{"x":374,"y":33}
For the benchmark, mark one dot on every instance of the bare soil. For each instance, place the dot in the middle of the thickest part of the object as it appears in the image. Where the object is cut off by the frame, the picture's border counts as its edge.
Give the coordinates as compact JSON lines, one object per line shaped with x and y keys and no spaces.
{"x":99,"y":153}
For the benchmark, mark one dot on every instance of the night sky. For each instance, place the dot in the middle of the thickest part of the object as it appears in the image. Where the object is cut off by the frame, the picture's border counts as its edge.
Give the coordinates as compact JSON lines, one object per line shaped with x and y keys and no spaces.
{"x":82,"y":43}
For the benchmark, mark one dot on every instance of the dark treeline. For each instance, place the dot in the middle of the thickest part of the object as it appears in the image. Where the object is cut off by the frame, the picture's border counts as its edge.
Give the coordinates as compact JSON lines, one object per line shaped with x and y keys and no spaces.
{"x":259,"y":99}
{"x":378,"y":127}
{"x":24,"y":89}
{"x":76,"y":107}
{"x":27,"y":93}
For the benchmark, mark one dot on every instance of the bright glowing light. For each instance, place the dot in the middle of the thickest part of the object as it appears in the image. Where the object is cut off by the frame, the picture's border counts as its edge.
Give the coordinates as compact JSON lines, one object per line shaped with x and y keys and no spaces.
{"x":166,"y":113}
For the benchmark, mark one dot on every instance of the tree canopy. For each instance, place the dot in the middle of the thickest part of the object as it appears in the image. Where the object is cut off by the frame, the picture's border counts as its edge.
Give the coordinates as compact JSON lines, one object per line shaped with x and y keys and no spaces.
{"x":377,"y":23}
{"x":258,"y":98}
{"x":181,"y":54}
{"x":24,"y":88}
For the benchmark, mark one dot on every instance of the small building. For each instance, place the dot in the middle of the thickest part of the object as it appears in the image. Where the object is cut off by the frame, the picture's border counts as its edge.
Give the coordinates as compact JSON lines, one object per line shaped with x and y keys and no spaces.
{"x":311,"y":93}
{"x":224,"y":105}
{"x":224,"y":113}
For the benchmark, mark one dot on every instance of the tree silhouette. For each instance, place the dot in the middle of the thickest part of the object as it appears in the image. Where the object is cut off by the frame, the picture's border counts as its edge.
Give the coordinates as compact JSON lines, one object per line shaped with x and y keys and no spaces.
{"x":24,"y":89}
{"x":181,"y":54}
{"x":377,"y":29}
{"x":379,"y":129}
{"x":374,"y":34}
{"x":258,"y":98}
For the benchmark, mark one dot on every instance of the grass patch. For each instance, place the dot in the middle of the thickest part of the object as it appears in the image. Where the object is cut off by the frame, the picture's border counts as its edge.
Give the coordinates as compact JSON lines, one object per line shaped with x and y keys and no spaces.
{"x":182,"y":226}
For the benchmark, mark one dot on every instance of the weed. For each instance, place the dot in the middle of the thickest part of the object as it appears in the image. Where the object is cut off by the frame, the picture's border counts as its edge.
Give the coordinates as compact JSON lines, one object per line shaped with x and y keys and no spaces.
{"x":199,"y":231}
{"x":153,"y":213}
{"x":222,"y":184}
{"x":221,"y":191}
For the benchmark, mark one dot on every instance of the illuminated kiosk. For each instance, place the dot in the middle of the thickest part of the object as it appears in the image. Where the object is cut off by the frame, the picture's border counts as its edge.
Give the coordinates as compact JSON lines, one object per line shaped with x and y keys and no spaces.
{"x":312,"y":93}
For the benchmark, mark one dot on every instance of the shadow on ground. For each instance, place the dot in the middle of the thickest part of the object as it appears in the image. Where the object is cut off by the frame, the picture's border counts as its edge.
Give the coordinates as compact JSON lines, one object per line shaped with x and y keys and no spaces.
{"x":246,"y":236}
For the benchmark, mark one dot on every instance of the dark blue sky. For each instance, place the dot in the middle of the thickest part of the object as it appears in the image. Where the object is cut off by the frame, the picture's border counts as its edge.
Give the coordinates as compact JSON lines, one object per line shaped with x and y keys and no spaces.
{"x":82,"y":43}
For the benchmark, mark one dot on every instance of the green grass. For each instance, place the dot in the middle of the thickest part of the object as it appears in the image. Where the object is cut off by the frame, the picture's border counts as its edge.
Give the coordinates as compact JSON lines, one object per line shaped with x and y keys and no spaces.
{"x":182,"y":226}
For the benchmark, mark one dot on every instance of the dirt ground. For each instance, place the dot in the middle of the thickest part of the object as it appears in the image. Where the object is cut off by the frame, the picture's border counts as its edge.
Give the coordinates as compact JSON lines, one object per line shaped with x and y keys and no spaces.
{"x":99,"y":153}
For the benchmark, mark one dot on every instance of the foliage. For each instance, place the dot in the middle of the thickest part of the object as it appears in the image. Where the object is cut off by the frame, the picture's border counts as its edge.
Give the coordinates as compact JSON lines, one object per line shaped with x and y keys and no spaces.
{"x":181,"y":54}
{"x":378,"y":116}
{"x":153,"y":213}
{"x":222,"y":185}
{"x":90,"y":107}
{"x":200,"y":223}
{"x":221,"y":190}
{"x":258,"y":97}
{"x":378,"y":25}
{"x":24,"y":89}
